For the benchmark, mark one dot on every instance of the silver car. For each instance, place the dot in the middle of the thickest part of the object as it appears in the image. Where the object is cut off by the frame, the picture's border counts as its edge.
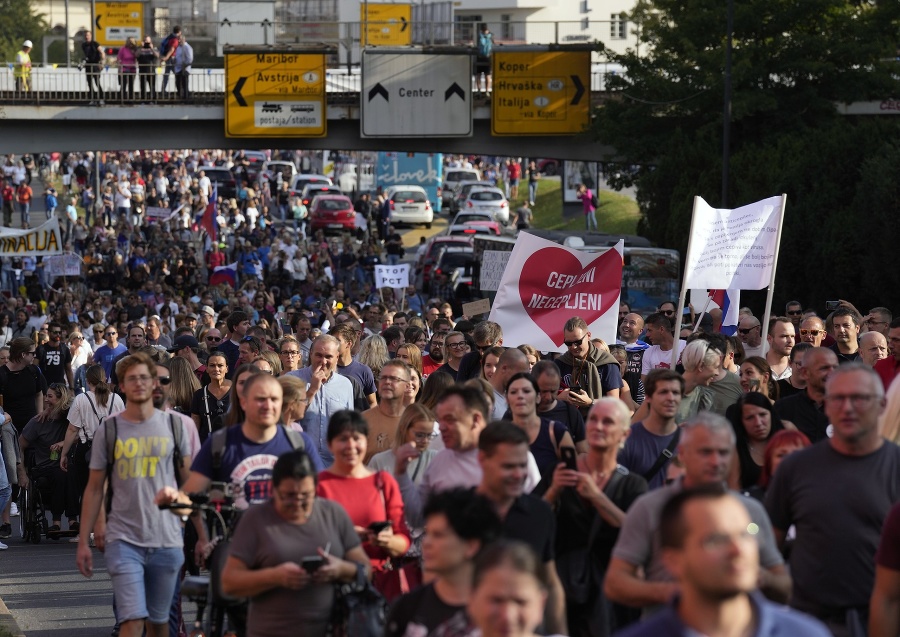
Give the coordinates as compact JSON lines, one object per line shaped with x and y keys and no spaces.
{"x":490,"y":201}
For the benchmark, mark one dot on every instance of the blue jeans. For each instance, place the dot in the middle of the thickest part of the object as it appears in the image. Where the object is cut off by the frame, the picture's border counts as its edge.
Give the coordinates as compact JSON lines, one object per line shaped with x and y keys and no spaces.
{"x":590,"y":220}
{"x":532,"y":190}
{"x":393,"y":259}
{"x":143,"y":580}
{"x":25,"y":208}
{"x":5,"y":488}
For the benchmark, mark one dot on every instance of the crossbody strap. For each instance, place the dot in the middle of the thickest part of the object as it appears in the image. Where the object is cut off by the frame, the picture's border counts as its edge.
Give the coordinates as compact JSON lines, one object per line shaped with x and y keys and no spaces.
{"x":667,"y":454}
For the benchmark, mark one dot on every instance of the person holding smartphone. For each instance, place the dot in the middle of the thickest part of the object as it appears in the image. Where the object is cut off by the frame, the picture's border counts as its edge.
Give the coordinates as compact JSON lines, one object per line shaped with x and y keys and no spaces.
{"x":288,"y":552}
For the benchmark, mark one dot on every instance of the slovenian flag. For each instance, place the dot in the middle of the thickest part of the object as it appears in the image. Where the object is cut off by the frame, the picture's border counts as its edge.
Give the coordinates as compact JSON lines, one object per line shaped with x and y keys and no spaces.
{"x":224,"y":274}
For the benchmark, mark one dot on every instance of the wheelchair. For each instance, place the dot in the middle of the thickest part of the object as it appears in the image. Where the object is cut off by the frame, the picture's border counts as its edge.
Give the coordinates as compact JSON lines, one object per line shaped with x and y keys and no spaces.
{"x":33,"y":524}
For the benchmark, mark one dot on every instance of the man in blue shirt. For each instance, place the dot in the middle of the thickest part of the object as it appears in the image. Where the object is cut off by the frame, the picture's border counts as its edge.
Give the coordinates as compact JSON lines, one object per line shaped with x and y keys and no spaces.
{"x":327,"y":392}
{"x":107,"y":353}
{"x":709,"y":543}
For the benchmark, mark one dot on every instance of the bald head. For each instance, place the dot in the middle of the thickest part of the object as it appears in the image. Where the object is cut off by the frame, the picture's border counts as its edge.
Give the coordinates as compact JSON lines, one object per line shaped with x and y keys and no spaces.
{"x":749,"y":331}
{"x":511,"y":362}
{"x":873,"y":347}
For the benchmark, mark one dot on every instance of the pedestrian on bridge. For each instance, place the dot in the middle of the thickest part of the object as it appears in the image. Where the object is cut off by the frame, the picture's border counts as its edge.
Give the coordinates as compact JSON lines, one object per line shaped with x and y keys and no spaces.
{"x":22,"y":69}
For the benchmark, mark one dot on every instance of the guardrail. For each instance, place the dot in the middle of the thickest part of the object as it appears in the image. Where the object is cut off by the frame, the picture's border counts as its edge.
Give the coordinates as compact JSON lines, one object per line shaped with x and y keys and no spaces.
{"x":59,"y":85}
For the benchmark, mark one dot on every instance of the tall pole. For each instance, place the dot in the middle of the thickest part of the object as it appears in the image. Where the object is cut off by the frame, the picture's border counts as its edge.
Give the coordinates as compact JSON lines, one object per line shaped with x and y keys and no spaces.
{"x":68,"y":52}
{"x":726,"y":114}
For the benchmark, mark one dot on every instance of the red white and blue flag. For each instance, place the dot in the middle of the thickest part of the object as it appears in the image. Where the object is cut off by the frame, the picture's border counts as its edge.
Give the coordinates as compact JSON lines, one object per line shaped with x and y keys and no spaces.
{"x":729,"y":301}
{"x":224,"y":274}
{"x":208,"y":221}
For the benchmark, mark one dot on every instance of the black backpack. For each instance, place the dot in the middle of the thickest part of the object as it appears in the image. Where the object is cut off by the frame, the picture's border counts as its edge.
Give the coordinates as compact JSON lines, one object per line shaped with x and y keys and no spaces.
{"x":110,"y":426}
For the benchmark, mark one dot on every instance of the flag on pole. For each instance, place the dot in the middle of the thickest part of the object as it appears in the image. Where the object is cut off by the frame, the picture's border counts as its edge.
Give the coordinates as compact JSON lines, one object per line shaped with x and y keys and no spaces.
{"x":729,"y":301}
{"x":208,"y":222}
{"x":224,"y":274}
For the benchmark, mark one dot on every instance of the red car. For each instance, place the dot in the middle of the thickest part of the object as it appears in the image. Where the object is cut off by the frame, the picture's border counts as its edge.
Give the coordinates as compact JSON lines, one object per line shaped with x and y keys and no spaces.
{"x":332,"y":212}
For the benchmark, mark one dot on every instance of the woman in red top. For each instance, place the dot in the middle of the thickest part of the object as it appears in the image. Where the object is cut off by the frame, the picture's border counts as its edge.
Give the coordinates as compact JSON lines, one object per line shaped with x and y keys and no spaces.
{"x":372,"y":500}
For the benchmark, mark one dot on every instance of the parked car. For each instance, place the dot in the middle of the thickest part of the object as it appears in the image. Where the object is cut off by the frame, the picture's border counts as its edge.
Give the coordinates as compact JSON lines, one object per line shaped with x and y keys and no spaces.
{"x":286,"y":168}
{"x":222,"y":180}
{"x":409,"y":204}
{"x":299,"y":181}
{"x":311,"y":190}
{"x":462,"y":191}
{"x":458,"y":264}
{"x":454,"y":176}
{"x":332,"y":212}
{"x":433,"y":247}
{"x":488,"y":200}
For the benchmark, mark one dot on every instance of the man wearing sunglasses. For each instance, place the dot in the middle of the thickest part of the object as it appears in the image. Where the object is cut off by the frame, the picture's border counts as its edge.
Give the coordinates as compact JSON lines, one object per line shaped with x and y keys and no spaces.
{"x":107,"y":353}
{"x":812,"y":331}
{"x":794,"y":311}
{"x":750,"y":334}
{"x":587,"y":372}
{"x":54,"y":358}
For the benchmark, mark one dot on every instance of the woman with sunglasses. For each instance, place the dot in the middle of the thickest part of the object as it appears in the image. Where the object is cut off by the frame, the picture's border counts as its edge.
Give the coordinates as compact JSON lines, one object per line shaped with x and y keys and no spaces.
{"x":46,"y":435}
{"x":87,"y":412}
{"x":211,"y":402}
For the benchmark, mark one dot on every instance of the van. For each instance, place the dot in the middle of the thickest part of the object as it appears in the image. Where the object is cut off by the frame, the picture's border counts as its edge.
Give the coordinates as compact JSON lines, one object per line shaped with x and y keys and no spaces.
{"x":453,"y":177}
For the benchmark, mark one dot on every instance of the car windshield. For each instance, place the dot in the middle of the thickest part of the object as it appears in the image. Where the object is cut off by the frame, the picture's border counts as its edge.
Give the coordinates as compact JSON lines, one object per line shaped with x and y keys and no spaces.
{"x":457,"y":260}
{"x":409,"y":196}
{"x":486,"y":195}
{"x":333,"y":204}
{"x":460,"y":175}
{"x":467,"y":218}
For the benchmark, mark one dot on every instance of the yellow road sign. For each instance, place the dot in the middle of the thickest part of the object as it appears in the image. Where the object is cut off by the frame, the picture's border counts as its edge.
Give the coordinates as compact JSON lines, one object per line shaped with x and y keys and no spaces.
{"x":540,"y":93}
{"x":117,"y":21}
{"x":275,"y":94}
{"x":385,"y":24}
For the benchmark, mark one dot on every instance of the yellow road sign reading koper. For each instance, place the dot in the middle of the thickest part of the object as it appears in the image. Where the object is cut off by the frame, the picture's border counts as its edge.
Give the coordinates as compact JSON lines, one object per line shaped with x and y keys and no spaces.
{"x":385,"y":24}
{"x":540,"y":92}
{"x":115,"y":22}
{"x":272,"y":94}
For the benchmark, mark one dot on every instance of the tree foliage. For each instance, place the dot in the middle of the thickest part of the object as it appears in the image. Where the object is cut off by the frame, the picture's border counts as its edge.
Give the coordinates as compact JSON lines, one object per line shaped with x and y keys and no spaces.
{"x":793,"y":62}
{"x":19,"y":21}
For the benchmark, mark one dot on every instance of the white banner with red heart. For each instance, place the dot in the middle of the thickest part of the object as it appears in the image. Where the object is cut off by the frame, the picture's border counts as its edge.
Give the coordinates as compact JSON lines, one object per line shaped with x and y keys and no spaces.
{"x":545,"y":284}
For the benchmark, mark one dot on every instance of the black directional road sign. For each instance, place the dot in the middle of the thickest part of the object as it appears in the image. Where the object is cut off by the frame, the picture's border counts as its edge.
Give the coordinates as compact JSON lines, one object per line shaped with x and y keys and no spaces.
{"x":413,"y":94}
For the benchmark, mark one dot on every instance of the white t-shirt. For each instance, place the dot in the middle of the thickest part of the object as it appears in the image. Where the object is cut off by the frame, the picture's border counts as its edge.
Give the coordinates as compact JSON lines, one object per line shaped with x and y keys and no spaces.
{"x":656,"y":358}
{"x":81,"y":414}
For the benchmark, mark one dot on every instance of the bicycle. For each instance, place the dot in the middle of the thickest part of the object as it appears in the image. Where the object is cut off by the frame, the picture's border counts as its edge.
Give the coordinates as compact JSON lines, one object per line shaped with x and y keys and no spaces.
{"x":205,"y":589}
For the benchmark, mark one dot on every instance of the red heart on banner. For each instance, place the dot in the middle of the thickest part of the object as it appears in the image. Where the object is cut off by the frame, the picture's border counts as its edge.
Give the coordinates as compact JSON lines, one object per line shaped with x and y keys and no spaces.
{"x":554,"y":287}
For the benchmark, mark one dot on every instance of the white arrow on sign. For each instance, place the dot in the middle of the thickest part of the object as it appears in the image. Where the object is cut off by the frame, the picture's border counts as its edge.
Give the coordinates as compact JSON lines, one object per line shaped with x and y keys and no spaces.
{"x":416,"y":94}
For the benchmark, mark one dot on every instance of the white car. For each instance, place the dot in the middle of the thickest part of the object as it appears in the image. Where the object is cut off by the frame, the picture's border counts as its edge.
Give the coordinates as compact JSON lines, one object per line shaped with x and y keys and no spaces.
{"x":455,"y":176}
{"x":490,"y":201}
{"x":286,"y":168}
{"x":299,"y":181}
{"x":409,"y":204}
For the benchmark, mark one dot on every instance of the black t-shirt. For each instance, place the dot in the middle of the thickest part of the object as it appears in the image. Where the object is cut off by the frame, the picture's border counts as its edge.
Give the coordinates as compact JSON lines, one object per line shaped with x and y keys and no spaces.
{"x":394,"y":244}
{"x":54,"y":362}
{"x":785,"y":388}
{"x":212,"y":413}
{"x":422,"y":612}
{"x":567,"y":414}
{"x":531,"y":520}
{"x":18,"y":390}
{"x":91,"y":52}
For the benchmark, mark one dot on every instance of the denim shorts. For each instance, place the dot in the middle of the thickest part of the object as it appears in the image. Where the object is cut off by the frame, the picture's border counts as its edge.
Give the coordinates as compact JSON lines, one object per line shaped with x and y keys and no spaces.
{"x":143,"y":580}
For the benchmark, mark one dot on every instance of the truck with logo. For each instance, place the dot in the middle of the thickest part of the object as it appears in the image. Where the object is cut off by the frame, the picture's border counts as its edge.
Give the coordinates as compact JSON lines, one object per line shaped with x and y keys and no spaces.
{"x":412,"y":169}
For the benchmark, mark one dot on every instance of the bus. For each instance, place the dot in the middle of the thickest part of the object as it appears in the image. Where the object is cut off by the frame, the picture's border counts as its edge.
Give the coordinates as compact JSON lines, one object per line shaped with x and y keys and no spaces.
{"x":650,"y":275}
{"x":412,"y":169}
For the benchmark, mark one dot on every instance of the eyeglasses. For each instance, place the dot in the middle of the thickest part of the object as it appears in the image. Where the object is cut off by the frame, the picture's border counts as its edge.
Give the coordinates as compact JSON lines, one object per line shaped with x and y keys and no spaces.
{"x":77,"y":338}
{"x":747,"y":330}
{"x":811,"y":332}
{"x":164,"y":380}
{"x":459,"y":345}
{"x":110,"y":333}
{"x":484,"y":348}
{"x":422,"y":437}
{"x":31,"y":353}
{"x":290,"y":352}
{"x":139,"y":379}
{"x":874,"y":322}
{"x":667,"y":312}
{"x":56,"y":332}
{"x":859,"y":401}
{"x":392,"y":379}
{"x":575,"y":343}
{"x":436,"y":344}
{"x":795,"y":312}
{"x":214,"y":339}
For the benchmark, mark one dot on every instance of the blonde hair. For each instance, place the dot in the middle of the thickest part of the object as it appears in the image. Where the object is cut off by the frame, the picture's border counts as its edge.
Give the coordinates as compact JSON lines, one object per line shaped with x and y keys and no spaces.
{"x":411,"y":415}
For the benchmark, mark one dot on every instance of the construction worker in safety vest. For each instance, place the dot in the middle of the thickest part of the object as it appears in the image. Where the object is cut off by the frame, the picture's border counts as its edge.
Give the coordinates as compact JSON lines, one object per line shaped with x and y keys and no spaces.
{"x":22,"y":68}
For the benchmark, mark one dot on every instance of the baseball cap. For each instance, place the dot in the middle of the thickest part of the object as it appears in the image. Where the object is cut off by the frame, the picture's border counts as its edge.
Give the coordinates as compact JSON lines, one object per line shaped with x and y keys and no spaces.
{"x":28,"y":44}
{"x":185,"y":340}
{"x":207,"y":310}
{"x":192,"y":316}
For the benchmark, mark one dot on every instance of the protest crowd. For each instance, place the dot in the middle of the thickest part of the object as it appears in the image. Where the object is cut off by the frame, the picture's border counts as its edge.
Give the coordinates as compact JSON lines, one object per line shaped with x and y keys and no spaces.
{"x":749,"y":484}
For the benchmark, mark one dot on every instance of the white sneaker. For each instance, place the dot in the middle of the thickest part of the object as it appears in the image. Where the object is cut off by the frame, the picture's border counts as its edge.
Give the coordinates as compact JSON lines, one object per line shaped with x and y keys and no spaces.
{"x":14,"y":509}
{"x":3,"y":546}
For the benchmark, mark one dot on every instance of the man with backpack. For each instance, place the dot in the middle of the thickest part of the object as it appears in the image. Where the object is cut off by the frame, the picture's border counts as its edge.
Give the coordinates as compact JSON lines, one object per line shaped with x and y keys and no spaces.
{"x":167,"y":50}
{"x":93,"y":64}
{"x":138,"y":452}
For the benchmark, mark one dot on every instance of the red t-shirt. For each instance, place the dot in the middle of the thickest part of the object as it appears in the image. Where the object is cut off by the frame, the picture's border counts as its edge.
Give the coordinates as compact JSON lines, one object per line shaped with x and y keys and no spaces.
{"x":361,"y":499}
{"x":887,"y":369}
{"x":429,"y":366}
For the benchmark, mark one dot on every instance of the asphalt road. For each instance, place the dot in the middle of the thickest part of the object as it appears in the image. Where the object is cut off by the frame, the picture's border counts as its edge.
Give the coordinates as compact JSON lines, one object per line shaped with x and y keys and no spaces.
{"x":47,"y":595}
